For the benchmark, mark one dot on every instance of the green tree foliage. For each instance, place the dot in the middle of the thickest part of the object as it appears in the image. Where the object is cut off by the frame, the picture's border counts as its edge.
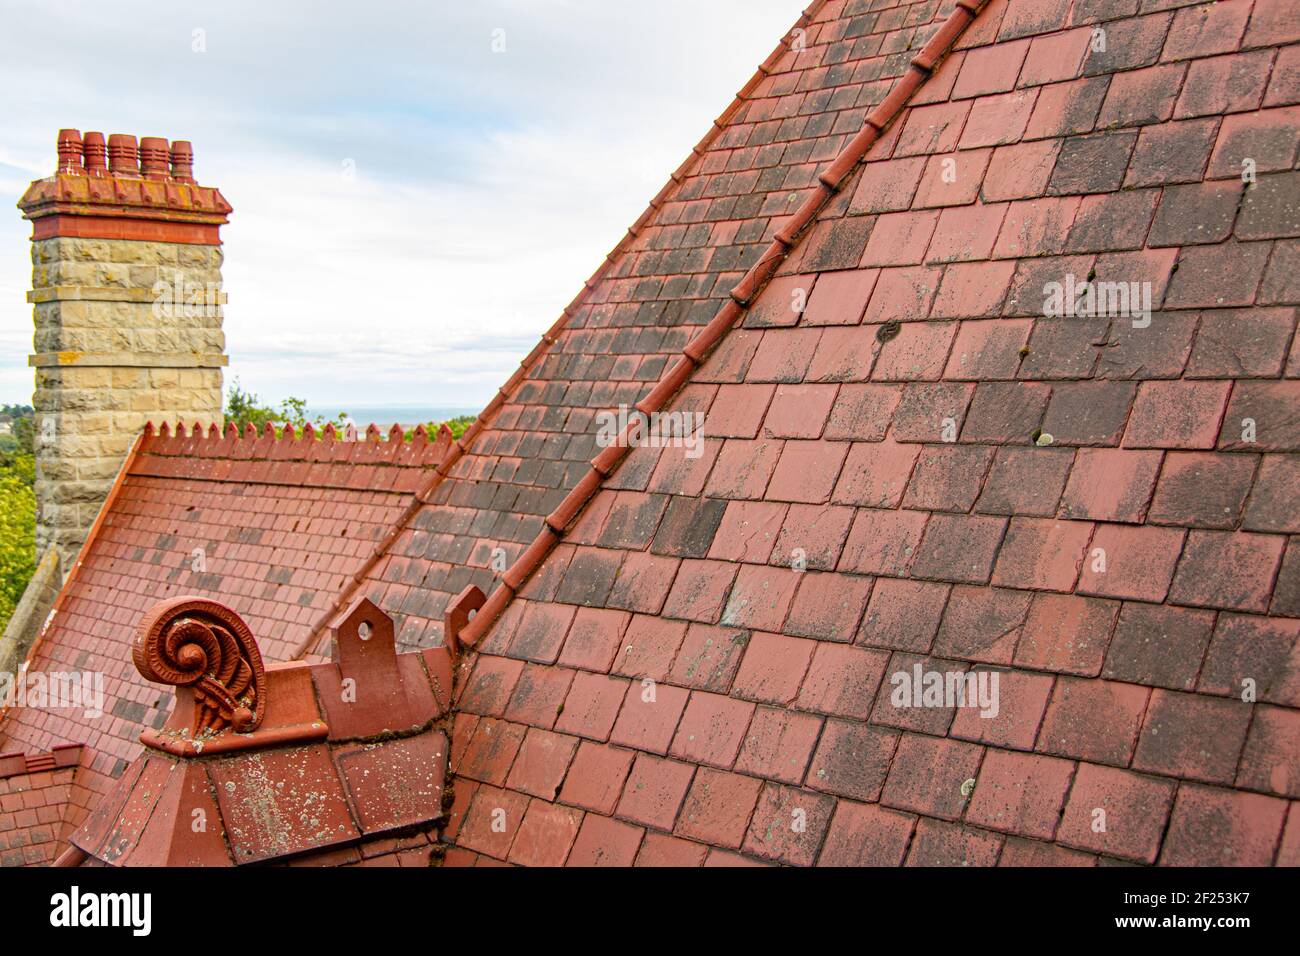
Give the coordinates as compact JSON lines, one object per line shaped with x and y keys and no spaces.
{"x":457,"y":425}
{"x":17,"y":507}
{"x":245,"y":408}
{"x":17,"y":541}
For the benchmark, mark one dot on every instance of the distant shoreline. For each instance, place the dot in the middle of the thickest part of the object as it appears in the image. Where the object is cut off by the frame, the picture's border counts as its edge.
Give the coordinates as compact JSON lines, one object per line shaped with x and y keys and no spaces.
{"x":408,"y":416}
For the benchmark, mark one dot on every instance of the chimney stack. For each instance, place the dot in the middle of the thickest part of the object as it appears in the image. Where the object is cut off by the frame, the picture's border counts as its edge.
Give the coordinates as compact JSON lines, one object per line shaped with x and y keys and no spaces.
{"x":126,"y":285}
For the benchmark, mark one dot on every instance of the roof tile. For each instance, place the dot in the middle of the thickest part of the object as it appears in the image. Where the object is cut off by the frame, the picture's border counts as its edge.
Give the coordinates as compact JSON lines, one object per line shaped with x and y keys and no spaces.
{"x":1223,"y":827}
{"x":936,"y":843}
{"x":1158,"y":646}
{"x":982,"y":624}
{"x":778,"y":745}
{"x":1057,"y":56}
{"x":1020,"y":700}
{"x":958,"y":548}
{"x":1067,"y":109}
{"x":1192,"y":736}
{"x":788,"y":825}
{"x":654,"y":791}
{"x":1251,"y":655}
{"x":928,"y":775}
{"x":1135,"y":562}
{"x":1202,"y":490}
{"x":1020,"y":793}
{"x":1171,"y":153}
{"x":605,"y":842}
{"x":882,"y":542}
{"x":1021,"y":171}
{"x":712,"y":729}
{"x":900,"y":238}
{"x":1026,"y":480}
{"x":991,"y":69}
{"x":1041,"y":553}
{"x":1139,"y":97}
{"x":540,"y":765}
{"x":592,"y":706}
{"x":596,"y":776}
{"x":545,"y":835}
{"x":1227,"y":569}
{"x":1093,"y":720}
{"x":1176,"y":414}
{"x":1066,"y":633}
{"x":866,"y":835}
{"x":1111,"y":484}
{"x":1276,"y":489}
{"x":1270,"y":762}
{"x":1223,"y":84}
{"x":828,"y":606}
{"x":718,"y":807}
{"x":1005,"y":412}
{"x":1116,"y":812}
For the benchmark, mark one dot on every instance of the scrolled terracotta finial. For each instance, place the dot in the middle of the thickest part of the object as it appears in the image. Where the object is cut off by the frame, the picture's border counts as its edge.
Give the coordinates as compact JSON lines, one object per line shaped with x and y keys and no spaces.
{"x":183,"y":161}
{"x":204,"y":646}
{"x":71,"y":159}
{"x":96,"y":154}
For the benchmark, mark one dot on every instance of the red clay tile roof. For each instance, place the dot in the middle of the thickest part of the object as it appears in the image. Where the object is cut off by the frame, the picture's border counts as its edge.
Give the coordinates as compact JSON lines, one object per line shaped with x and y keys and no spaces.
{"x":908,"y":466}
{"x":321,"y":764}
{"x":274,"y":528}
{"x":921,"y":471}
{"x":42,"y":801}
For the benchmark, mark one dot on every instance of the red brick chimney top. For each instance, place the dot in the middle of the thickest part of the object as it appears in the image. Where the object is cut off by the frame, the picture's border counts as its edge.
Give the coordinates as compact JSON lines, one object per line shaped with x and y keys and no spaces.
{"x":124,"y":189}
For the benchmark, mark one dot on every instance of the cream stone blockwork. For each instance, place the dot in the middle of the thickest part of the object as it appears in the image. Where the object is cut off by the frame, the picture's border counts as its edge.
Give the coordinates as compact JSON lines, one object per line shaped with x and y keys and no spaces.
{"x":125,"y":332}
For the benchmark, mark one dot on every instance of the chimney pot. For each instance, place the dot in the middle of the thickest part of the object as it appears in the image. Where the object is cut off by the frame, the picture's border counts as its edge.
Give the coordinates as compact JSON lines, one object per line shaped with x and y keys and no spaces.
{"x":96,"y":154}
{"x":123,"y":155}
{"x":70,"y":152}
{"x":182,"y":161}
{"x":153,"y":157}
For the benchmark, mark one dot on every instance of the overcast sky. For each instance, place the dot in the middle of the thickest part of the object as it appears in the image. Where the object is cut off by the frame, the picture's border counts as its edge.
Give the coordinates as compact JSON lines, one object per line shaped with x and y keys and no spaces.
{"x":412,"y":207}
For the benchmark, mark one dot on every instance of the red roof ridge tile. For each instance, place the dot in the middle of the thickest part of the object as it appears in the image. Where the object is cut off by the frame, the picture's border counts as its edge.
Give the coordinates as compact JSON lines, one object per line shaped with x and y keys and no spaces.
{"x":460,"y":445}
{"x":59,"y":756}
{"x":829,"y":182}
{"x":371,"y":445}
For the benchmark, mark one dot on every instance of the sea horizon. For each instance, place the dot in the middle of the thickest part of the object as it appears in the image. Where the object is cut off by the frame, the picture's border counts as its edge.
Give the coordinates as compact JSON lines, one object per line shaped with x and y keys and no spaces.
{"x":407,"y":416}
